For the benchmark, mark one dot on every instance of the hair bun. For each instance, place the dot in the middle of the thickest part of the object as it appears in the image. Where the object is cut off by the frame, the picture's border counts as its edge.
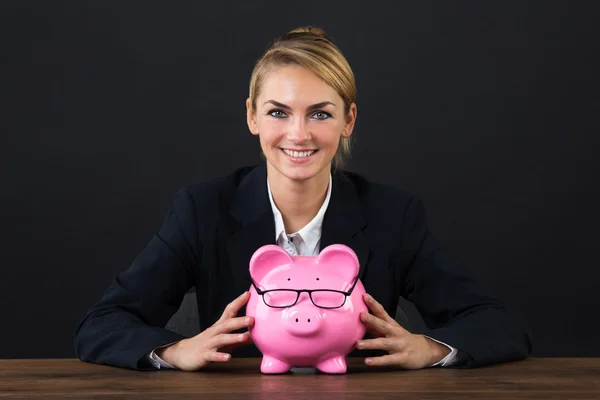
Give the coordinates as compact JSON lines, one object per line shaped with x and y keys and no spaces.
{"x":311,"y":30}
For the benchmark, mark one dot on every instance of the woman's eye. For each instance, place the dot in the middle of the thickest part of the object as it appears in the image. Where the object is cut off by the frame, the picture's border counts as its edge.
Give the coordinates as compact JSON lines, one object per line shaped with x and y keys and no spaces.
{"x":321,"y":115}
{"x":277,"y":114}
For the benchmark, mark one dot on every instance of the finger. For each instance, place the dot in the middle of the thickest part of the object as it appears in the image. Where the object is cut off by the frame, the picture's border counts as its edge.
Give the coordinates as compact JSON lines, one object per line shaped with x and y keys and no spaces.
{"x":232,"y":324}
{"x":374,"y":333}
{"x":377,"y":309}
{"x":216,"y":356}
{"x":232,"y":347}
{"x":375,"y":324}
{"x":386,"y":360}
{"x":228,"y":339}
{"x":386,"y":344}
{"x":232,"y":308}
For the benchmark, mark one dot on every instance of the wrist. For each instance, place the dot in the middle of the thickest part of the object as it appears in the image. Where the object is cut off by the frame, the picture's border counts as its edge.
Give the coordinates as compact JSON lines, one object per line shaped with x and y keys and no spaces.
{"x":169,"y":353}
{"x":437,"y":351}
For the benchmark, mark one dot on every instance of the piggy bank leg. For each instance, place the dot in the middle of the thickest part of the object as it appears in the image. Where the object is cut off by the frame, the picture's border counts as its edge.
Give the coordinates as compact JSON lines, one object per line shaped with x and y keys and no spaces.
{"x":333,"y":365}
{"x":272,"y":365}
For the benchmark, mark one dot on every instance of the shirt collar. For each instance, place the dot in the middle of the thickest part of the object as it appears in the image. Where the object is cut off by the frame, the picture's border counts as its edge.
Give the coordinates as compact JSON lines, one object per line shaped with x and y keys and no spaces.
{"x":311,"y":233}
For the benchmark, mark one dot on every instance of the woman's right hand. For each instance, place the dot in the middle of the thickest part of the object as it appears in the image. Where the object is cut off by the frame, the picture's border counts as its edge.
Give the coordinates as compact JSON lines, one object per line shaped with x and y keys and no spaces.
{"x":213,"y":344}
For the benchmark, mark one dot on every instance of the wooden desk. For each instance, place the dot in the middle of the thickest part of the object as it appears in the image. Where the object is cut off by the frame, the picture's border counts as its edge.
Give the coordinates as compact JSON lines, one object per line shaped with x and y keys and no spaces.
{"x":541,"y":378}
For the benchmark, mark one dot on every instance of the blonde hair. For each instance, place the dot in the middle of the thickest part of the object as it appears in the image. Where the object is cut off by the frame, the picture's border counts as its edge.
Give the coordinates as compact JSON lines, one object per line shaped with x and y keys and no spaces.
{"x":311,"y":48}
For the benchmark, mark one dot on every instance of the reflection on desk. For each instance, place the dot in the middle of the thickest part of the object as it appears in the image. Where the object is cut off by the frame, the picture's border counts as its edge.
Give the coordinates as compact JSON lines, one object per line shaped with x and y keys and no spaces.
{"x":538,"y":378}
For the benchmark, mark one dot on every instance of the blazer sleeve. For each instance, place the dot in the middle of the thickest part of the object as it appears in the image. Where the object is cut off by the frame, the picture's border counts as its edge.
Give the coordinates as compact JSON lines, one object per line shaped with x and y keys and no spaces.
{"x":128,"y":321}
{"x":457,"y":309}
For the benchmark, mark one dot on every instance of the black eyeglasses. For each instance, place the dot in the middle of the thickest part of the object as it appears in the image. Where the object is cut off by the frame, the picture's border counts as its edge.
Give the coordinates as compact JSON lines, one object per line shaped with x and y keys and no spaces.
{"x":322,"y":298}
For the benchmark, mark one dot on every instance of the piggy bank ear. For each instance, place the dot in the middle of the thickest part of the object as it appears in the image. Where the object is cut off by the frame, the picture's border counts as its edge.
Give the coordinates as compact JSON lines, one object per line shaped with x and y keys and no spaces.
{"x":342,"y":259}
{"x":265,"y":259}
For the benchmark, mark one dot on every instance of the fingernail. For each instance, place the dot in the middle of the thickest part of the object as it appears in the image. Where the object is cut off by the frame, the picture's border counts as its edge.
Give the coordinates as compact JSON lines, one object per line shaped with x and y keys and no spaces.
{"x":368,"y":361}
{"x":360,"y":343}
{"x":226,"y":356}
{"x":247,"y":321}
{"x":241,"y":336}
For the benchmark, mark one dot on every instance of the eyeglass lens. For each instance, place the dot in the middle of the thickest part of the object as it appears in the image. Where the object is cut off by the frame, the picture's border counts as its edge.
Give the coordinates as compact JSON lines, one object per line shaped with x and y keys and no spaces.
{"x":321,"y":298}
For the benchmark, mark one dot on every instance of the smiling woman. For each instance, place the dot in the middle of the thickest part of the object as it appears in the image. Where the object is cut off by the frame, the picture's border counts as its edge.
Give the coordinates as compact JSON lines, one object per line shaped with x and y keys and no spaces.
{"x":301,"y":122}
{"x":302,"y":108}
{"x":311,"y":49}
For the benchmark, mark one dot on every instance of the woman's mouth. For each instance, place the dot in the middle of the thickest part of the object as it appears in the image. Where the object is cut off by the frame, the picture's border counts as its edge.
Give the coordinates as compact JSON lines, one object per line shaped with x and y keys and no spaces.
{"x":298,"y":157}
{"x":299,"y":154}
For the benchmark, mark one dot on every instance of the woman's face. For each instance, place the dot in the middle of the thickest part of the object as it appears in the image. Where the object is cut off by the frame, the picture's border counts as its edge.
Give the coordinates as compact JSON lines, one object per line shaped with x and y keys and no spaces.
{"x":299,"y":120}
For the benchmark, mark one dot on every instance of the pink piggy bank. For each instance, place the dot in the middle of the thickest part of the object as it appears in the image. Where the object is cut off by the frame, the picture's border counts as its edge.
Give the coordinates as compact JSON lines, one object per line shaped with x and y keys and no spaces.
{"x":306,"y":309}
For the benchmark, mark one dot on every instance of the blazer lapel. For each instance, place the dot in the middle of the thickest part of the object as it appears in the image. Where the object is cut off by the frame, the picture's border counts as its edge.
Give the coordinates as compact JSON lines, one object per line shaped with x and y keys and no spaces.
{"x":344,"y":220}
{"x":251,"y":209}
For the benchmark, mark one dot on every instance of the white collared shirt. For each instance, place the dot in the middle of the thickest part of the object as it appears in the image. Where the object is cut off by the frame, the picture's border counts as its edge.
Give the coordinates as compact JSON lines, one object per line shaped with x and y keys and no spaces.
{"x":306,"y":242}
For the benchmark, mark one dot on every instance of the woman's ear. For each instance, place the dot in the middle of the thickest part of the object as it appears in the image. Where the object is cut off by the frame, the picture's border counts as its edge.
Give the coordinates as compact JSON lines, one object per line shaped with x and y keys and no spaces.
{"x":350,"y":121}
{"x":251,"y":118}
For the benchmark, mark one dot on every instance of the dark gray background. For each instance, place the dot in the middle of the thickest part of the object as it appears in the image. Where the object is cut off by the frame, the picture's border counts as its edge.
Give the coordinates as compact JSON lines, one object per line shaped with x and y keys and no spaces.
{"x":488,"y":110}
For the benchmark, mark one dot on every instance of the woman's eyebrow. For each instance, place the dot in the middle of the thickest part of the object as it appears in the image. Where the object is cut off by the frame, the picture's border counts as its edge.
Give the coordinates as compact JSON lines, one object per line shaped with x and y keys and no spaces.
{"x":309,"y":108}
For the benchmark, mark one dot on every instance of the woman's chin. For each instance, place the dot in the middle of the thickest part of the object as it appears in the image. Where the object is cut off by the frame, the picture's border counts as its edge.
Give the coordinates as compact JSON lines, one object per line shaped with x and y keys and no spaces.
{"x":297,"y":173}
{"x":299,"y":176}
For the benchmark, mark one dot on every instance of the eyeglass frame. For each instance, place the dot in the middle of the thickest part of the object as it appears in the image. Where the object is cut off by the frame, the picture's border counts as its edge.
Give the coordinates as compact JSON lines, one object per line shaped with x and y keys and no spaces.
{"x":346,"y":294}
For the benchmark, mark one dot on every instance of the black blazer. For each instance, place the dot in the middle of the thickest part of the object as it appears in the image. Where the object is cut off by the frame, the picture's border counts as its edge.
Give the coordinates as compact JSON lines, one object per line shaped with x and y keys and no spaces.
{"x":212,"y":230}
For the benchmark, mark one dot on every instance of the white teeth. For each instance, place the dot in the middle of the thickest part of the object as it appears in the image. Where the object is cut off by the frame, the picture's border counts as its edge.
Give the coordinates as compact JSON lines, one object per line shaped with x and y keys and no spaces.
{"x":298,"y":154}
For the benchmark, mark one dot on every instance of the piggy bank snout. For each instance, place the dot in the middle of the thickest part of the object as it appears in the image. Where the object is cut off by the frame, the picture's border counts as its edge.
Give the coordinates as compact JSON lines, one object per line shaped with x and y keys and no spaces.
{"x":302,"y":321}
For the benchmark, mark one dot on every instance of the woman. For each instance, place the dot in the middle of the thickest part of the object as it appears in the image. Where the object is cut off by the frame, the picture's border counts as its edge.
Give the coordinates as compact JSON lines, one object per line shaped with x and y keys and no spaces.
{"x":302,"y":108}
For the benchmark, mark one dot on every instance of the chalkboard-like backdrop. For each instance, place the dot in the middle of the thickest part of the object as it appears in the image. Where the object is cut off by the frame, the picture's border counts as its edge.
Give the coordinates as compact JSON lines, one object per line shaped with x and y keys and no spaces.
{"x":108,"y":107}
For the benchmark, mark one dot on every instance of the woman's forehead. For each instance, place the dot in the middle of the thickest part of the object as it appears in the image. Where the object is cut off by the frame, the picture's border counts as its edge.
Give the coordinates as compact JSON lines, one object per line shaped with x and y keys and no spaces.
{"x":297,"y":85}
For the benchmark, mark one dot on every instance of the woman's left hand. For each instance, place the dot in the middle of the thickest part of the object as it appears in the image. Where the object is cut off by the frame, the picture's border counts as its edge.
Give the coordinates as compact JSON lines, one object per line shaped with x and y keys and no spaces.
{"x":406,"y":350}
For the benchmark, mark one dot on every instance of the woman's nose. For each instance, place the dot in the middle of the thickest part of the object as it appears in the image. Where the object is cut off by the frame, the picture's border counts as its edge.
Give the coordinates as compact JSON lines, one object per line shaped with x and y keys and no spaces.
{"x":298,"y":131}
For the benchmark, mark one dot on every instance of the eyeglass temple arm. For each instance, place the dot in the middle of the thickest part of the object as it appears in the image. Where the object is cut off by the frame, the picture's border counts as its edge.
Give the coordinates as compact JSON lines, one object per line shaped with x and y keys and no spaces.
{"x":353,"y":285}
{"x":258,"y":291}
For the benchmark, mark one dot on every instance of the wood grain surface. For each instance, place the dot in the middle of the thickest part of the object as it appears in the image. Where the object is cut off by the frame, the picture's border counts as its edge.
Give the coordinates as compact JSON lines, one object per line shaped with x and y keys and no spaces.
{"x":537,"y":378}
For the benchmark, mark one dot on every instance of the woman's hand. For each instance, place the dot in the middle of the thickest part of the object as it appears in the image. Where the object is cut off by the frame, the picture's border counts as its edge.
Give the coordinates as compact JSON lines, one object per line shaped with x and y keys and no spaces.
{"x":213,"y":344}
{"x":406,"y":350}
